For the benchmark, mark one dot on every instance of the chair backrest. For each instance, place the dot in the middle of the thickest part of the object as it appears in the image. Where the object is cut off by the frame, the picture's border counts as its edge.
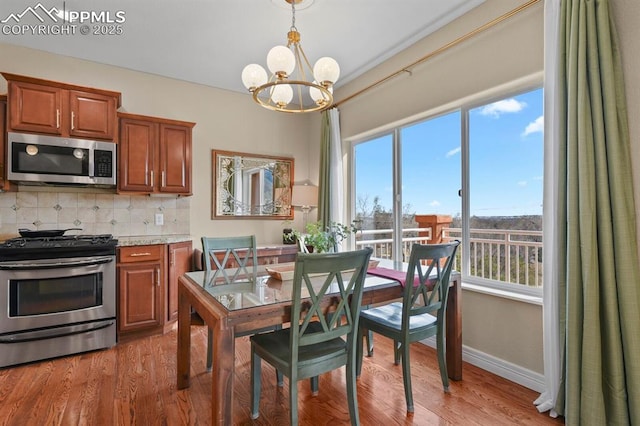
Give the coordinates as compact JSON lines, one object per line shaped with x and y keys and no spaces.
{"x":240,"y":252}
{"x":317,"y":275}
{"x":429,"y":271}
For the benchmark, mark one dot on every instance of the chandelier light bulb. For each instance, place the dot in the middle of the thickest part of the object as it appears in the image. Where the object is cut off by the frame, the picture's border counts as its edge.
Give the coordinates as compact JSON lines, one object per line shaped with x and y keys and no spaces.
{"x":317,"y":95}
{"x":281,"y":60}
{"x":282,"y":94}
{"x":253,"y":75}
{"x":326,"y":70}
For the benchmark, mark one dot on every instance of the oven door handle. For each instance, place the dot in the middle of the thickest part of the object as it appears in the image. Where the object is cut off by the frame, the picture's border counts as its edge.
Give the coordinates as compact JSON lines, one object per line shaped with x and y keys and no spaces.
{"x":62,"y":263}
{"x":31,"y":336}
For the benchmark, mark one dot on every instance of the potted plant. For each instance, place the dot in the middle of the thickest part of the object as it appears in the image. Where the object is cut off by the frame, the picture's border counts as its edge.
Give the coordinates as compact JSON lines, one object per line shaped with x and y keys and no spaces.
{"x":321,"y":239}
{"x":288,"y":236}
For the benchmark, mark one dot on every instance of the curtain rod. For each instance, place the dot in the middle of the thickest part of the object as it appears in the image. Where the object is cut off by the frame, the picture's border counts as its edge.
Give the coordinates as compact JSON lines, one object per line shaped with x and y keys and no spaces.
{"x":407,"y":69}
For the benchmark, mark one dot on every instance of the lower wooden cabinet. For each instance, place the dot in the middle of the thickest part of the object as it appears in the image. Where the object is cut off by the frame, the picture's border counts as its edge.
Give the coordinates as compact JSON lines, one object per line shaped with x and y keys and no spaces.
{"x":140,"y":285}
{"x":147,"y":286}
{"x":180,"y":261}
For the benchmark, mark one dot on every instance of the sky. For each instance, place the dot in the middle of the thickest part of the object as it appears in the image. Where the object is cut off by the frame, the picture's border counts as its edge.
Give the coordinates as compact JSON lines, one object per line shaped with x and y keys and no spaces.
{"x":505,"y":161}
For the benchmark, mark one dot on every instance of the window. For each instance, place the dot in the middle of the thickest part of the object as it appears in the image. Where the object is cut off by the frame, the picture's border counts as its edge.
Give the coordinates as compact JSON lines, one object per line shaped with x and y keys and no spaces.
{"x":473,"y":174}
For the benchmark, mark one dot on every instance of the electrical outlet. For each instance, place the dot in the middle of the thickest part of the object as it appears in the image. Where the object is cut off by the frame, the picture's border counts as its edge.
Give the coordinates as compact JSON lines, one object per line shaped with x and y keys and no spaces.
{"x":159,"y":219}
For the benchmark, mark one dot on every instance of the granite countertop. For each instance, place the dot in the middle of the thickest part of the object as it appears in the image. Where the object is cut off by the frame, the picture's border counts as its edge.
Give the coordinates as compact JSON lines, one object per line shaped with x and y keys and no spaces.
{"x":143,"y":240}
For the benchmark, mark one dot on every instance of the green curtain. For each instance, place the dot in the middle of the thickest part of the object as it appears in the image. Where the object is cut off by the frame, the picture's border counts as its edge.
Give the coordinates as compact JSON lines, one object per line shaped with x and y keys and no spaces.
{"x":601,"y":377}
{"x":324,"y":180}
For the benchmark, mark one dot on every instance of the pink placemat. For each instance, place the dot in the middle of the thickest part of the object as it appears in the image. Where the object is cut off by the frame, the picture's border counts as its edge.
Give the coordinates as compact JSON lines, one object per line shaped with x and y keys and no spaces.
{"x":392,"y":274}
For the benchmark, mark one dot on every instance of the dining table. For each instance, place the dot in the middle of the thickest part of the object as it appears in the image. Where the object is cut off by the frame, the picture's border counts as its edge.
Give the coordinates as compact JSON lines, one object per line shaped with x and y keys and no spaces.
{"x":235,"y":309}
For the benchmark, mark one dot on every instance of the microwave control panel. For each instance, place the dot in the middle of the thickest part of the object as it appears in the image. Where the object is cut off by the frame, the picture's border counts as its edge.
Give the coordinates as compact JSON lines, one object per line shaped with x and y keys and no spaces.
{"x":103,"y":163}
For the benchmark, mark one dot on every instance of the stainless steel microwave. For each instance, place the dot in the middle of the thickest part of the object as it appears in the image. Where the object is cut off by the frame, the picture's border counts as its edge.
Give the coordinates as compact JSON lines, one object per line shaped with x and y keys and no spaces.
{"x":38,"y":159}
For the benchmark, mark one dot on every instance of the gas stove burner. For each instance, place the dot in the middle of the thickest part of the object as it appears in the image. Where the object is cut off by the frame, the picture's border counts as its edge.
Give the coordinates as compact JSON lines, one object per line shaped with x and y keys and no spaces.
{"x":60,"y":246}
{"x":70,"y":240}
{"x":101,"y":239}
{"x":15,"y":242}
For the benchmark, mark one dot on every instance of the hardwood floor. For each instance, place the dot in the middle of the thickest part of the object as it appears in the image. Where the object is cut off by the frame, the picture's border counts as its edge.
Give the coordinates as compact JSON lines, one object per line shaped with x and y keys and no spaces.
{"x":134,"y":383}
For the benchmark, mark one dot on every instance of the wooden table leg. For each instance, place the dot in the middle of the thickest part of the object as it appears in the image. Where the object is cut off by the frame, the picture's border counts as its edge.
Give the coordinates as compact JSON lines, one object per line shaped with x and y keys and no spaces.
{"x":454,"y":330}
{"x":223,"y":373}
{"x":184,"y":337}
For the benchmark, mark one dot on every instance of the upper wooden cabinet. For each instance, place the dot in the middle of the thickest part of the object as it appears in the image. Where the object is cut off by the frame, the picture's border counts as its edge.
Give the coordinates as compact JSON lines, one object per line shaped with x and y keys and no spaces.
{"x":42,"y":106}
{"x":154,"y":155}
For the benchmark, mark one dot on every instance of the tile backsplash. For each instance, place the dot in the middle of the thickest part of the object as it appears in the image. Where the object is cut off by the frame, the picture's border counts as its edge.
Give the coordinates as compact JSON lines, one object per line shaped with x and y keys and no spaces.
{"x":95,"y":213}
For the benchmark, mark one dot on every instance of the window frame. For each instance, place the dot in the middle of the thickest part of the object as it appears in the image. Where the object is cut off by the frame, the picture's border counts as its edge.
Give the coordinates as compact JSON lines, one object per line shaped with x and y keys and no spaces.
{"x":464,"y":106}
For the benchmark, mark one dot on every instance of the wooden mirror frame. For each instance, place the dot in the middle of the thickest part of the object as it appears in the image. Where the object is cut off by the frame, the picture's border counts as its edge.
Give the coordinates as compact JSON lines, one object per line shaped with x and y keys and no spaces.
{"x":275,"y":174}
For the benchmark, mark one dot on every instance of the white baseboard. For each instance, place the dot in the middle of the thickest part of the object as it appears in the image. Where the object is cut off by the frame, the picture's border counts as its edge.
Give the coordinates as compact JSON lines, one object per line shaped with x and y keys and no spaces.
{"x":520,"y":375}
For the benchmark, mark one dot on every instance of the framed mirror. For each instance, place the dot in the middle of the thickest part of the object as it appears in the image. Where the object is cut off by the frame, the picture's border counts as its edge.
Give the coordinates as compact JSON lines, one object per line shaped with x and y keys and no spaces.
{"x":251,"y":186}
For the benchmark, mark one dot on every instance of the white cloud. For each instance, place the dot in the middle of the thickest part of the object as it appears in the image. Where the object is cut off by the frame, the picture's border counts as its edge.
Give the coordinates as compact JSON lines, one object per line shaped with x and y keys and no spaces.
{"x":453,"y":152}
{"x":522,"y":183}
{"x":538,"y":177}
{"x":504,"y":106}
{"x":534,"y":127}
{"x":434,"y":203}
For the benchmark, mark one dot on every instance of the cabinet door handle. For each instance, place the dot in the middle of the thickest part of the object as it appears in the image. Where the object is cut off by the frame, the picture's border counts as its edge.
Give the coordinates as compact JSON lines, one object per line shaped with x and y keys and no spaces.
{"x":57,"y":118}
{"x":73,"y":117}
{"x":164,"y":179}
{"x":152,"y":182}
{"x":140,"y":254}
{"x":158,"y":277}
{"x":173,"y":258}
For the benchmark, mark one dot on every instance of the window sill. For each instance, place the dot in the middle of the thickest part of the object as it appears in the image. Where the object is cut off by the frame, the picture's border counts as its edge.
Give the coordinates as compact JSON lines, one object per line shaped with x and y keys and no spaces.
{"x":525,"y":298}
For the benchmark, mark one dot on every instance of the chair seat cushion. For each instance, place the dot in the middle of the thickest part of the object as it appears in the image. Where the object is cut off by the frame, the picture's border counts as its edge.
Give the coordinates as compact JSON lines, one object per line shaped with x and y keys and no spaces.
{"x":391,"y":316}
{"x":277,"y":344}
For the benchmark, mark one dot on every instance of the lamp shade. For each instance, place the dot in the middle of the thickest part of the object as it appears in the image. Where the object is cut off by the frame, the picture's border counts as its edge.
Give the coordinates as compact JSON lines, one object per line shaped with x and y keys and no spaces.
{"x":304,"y":196}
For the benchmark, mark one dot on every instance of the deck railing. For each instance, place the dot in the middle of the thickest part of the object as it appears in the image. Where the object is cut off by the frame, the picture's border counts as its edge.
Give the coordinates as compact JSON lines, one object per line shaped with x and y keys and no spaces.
{"x":507,"y":255}
{"x":382,"y":246}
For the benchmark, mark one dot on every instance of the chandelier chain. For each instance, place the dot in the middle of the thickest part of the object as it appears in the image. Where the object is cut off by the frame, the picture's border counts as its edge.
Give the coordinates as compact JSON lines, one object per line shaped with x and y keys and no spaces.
{"x":293,"y":15}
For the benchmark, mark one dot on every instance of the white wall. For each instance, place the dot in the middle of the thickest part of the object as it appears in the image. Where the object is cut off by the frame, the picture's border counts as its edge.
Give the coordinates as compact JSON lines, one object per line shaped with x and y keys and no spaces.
{"x":224,"y":120}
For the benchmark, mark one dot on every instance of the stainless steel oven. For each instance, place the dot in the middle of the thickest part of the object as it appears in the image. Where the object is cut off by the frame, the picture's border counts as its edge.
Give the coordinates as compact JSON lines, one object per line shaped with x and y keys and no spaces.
{"x":56,"y":299}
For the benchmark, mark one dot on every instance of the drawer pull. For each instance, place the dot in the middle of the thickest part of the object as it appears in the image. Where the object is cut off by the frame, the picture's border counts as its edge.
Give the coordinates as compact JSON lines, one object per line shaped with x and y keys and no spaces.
{"x":140,"y":254}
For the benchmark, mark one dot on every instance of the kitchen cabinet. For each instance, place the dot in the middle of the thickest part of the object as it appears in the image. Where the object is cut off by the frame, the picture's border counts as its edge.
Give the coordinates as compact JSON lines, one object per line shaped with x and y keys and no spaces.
{"x":154,"y":155}
{"x":42,"y":106}
{"x":4,"y":183}
{"x":141,"y":276}
{"x":148,"y":286}
{"x":180,"y":261}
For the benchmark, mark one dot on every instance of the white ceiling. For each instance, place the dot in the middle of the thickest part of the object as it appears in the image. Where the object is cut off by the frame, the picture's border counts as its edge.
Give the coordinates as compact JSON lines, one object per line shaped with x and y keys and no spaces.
{"x":210,"y":41}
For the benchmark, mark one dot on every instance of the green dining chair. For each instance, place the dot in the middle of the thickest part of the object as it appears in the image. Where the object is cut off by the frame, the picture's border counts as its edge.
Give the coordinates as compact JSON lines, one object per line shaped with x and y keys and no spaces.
{"x":319,"y":340}
{"x":231,"y":260}
{"x":420,"y":315}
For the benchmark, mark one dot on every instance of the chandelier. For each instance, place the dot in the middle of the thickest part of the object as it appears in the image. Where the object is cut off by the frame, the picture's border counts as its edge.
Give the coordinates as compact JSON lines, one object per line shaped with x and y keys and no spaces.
{"x":278,"y":91}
